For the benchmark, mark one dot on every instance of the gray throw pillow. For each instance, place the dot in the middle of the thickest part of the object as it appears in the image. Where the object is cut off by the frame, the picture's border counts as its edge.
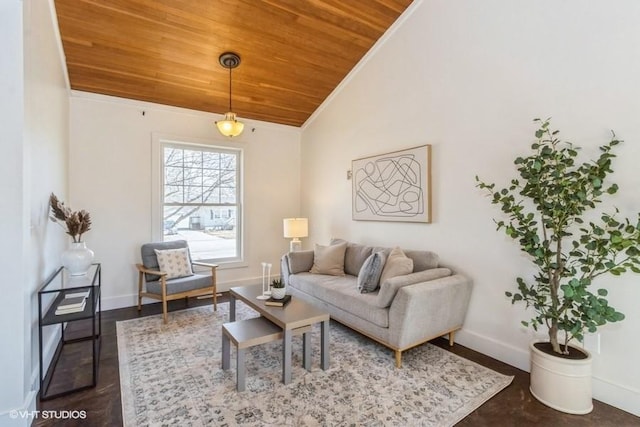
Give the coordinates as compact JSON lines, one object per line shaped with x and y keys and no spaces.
{"x":422,"y":260}
{"x":369,"y":275}
{"x":300,"y":261}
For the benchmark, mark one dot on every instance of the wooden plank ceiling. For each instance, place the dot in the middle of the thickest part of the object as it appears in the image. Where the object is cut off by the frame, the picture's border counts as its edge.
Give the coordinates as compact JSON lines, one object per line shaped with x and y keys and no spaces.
{"x":293,"y":52}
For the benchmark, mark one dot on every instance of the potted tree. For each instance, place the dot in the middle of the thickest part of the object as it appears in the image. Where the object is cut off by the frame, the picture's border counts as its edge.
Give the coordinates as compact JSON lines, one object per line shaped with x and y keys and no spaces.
{"x":552,"y":214}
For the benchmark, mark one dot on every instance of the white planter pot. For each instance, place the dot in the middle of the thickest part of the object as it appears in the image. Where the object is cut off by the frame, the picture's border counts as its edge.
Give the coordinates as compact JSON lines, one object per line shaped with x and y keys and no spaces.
{"x":562,"y":384}
{"x":77,"y":259}
{"x":278,"y":293}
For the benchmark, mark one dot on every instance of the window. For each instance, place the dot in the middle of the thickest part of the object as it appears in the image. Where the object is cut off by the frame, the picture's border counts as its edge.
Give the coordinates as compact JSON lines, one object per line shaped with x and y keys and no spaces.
{"x":201,"y":200}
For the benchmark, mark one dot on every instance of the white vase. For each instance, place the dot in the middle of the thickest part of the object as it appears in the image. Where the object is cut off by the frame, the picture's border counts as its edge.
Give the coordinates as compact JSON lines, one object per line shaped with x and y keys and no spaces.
{"x":278,"y":293}
{"x":562,"y":384}
{"x":77,"y":259}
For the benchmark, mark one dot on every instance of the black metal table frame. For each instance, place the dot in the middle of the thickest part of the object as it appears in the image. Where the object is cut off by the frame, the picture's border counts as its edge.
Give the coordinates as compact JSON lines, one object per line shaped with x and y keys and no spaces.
{"x":49,"y":318}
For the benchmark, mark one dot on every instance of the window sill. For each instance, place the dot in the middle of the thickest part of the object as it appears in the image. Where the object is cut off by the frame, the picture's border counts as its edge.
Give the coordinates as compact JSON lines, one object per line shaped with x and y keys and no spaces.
{"x":226,"y":265}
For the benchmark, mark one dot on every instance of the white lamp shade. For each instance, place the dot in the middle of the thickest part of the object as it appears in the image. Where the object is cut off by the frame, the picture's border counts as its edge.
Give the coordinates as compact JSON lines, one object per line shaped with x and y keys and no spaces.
{"x":296,"y":227}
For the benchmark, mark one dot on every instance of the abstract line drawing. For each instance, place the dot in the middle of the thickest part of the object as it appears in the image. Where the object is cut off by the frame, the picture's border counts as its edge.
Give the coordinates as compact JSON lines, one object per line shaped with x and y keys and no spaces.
{"x":393,"y":186}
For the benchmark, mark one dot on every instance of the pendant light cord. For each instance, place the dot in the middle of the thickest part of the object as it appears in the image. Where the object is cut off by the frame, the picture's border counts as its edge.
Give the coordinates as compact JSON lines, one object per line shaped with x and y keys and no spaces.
{"x":230,"y":89}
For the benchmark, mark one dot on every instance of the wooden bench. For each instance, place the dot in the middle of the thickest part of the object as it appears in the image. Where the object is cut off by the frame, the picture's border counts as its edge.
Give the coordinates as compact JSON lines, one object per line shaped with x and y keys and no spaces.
{"x":251,"y":332}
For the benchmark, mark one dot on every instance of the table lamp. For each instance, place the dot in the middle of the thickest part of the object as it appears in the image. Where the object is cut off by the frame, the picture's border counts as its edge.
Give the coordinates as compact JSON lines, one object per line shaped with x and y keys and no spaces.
{"x":294,"y":228}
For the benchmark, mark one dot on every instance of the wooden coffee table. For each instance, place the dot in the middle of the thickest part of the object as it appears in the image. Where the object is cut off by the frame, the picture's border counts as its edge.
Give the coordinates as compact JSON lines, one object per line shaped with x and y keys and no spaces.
{"x":296,"y":314}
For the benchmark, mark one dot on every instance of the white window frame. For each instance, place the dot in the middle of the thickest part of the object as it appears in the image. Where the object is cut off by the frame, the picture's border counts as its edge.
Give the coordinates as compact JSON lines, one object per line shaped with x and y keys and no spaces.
{"x":158,"y":142}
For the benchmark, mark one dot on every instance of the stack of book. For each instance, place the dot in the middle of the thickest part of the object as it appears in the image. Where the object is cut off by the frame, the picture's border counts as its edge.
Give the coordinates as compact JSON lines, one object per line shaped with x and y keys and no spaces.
{"x":73,"y":302}
{"x":278,"y":302}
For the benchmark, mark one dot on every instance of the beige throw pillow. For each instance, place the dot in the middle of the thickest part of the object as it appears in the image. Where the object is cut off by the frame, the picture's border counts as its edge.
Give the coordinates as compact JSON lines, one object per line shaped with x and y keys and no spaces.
{"x":329,"y":259}
{"x":397,"y":264}
{"x":174,"y":262}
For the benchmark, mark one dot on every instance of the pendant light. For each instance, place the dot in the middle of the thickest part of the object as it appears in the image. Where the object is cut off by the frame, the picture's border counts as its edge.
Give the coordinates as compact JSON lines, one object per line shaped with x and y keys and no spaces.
{"x":230,"y":126}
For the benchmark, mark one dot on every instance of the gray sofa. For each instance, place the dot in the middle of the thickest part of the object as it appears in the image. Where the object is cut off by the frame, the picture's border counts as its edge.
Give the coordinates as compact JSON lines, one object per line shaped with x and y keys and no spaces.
{"x":404,"y":312}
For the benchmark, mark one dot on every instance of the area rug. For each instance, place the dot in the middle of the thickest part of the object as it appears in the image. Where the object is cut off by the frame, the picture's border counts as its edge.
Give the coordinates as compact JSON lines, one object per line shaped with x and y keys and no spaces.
{"x":170,"y":375}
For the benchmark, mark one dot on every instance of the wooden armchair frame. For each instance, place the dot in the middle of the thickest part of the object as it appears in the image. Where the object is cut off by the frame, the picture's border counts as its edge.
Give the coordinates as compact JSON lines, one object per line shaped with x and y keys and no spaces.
{"x":164,"y":297}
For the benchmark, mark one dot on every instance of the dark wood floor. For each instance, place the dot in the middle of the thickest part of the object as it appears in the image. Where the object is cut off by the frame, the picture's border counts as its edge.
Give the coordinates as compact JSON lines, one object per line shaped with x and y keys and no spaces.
{"x":513,"y":406}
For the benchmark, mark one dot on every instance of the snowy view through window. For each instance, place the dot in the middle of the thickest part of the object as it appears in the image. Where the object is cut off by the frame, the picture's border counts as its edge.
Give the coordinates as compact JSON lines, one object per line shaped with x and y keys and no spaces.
{"x":201,"y":202}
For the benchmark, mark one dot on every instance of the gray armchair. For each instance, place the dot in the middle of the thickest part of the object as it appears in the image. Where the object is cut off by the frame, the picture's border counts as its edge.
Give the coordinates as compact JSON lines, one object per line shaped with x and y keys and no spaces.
{"x":152,"y":282}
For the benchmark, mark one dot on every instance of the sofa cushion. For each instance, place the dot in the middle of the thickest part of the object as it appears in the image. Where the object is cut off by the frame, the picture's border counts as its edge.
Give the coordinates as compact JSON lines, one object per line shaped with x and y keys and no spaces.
{"x":300,"y":261}
{"x":342,"y":293}
{"x":369,"y":275}
{"x":174,"y":262}
{"x":397,"y":264}
{"x":422,"y":260}
{"x":354,"y":256}
{"x":389,"y":288}
{"x":329,"y":259}
{"x":183,"y":284}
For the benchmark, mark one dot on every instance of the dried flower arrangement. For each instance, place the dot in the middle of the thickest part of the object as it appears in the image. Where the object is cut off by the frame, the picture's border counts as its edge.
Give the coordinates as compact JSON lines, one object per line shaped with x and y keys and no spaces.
{"x":76,"y":223}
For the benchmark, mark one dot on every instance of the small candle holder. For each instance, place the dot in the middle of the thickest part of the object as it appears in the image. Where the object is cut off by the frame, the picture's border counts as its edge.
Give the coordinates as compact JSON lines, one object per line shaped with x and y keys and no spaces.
{"x":266,"y":281}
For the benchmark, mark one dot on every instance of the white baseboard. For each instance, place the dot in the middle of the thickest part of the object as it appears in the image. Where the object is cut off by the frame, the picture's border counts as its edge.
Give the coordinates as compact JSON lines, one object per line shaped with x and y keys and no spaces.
{"x":22,"y":416}
{"x":618,"y":395}
{"x":504,"y":352}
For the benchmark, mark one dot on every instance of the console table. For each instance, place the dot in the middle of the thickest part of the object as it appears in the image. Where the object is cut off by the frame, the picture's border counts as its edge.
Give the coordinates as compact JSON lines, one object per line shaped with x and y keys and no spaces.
{"x":49,"y":297}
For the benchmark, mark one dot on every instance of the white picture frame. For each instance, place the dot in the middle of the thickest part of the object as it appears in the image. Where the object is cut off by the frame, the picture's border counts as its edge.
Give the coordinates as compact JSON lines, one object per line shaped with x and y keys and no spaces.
{"x":393,"y":186}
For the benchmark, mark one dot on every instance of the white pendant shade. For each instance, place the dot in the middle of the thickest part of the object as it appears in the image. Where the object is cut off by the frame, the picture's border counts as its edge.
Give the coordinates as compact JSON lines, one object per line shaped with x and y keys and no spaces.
{"x":230,"y":126}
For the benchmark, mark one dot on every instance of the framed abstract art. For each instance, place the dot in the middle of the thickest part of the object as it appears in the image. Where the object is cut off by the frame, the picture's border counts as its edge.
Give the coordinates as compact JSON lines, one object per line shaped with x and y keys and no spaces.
{"x":393,"y":186}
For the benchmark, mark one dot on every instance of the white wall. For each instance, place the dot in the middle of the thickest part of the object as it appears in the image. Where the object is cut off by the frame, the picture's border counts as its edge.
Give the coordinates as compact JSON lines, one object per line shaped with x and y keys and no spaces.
{"x":468,"y":77}
{"x":34,"y":110}
{"x":46,"y":139}
{"x":13,"y":335}
{"x":110,"y":176}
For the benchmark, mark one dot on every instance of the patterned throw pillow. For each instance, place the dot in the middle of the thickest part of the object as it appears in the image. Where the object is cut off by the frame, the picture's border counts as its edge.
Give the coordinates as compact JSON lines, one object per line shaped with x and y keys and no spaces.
{"x":174,"y":262}
{"x":369,"y":275}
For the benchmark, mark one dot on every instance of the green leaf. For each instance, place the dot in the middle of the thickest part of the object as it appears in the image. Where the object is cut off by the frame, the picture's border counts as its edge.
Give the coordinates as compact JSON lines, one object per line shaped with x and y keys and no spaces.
{"x":568,"y":291}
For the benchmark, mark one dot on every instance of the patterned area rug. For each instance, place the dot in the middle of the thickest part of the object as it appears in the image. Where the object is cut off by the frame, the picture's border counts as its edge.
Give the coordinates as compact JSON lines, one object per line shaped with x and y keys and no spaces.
{"x":170,"y":375}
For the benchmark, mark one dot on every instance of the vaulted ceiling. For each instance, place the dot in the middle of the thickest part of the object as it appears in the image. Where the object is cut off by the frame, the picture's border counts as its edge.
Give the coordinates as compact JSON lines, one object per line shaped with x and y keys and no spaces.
{"x":293,"y":52}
